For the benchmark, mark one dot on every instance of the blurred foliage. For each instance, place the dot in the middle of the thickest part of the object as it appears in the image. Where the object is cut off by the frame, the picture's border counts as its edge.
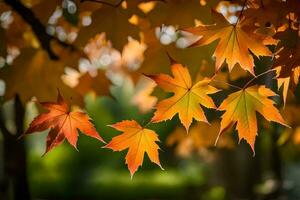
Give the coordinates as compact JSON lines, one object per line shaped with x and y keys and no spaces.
{"x":97,"y":54}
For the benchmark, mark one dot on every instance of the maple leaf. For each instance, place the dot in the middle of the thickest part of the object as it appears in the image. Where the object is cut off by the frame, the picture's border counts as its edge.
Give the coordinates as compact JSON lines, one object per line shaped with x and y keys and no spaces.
{"x":138,"y":140}
{"x":288,"y":56}
{"x":287,"y":63}
{"x":233,"y":43}
{"x":241,"y":107}
{"x":286,"y":82}
{"x":62,"y":123}
{"x":271,"y":13}
{"x":187,"y":97}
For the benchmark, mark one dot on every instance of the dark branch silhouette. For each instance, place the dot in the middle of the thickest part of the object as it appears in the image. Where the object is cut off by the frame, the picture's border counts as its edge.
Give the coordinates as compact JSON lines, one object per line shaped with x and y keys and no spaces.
{"x":105,"y":3}
{"x":37,"y":27}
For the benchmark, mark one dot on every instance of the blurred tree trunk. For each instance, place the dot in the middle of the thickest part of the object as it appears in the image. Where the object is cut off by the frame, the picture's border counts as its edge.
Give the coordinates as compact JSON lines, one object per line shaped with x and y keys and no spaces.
{"x":276,"y":163}
{"x":15,"y":174}
{"x":238,"y":171}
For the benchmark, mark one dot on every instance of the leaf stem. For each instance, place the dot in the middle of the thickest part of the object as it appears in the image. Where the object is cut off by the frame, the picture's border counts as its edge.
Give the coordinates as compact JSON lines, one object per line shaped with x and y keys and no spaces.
{"x":241,"y":13}
{"x":255,"y":77}
{"x":234,"y":86}
{"x":218,"y":81}
{"x":147,"y":124}
{"x":105,"y":3}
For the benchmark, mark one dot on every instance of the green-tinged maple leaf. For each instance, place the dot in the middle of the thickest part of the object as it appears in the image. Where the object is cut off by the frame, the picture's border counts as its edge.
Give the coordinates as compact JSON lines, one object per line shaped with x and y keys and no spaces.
{"x":241,"y":107}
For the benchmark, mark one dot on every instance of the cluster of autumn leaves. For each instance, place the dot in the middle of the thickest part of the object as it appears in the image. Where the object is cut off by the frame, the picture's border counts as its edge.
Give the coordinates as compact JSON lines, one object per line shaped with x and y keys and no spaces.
{"x":240,"y":108}
{"x":259,"y":23}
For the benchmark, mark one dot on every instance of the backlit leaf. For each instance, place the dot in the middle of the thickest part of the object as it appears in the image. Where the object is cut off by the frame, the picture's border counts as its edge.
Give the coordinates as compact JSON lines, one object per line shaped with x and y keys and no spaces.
{"x":233,"y":43}
{"x":187,"y":96}
{"x":62,"y":123}
{"x":138,"y":140}
{"x":241,"y":107}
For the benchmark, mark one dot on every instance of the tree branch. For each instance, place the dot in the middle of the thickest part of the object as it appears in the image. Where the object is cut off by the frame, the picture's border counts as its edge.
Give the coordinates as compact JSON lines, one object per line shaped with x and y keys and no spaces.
{"x":241,"y":13}
{"x":37,"y":27}
{"x":105,"y":3}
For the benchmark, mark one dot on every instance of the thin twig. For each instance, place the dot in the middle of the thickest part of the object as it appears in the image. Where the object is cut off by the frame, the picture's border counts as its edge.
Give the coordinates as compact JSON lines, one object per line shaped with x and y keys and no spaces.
{"x":218,"y":81}
{"x":105,"y":2}
{"x":264,"y":73}
{"x":231,"y":85}
{"x":241,"y":13}
{"x":148,"y":123}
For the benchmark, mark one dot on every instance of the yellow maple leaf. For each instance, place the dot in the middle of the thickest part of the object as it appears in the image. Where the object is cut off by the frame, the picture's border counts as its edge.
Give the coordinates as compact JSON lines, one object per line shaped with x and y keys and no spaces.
{"x":187,"y":96}
{"x":241,"y":107}
{"x":233,"y":43}
{"x":138,"y":140}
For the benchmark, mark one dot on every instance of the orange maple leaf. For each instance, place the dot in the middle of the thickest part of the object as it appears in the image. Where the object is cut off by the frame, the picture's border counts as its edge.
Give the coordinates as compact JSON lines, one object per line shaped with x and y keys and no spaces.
{"x":233,"y":43}
{"x":62,"y":123}
{"x":241,"y":107}
{"x":138,"y":140}
{"x":187,"y":96}
{"x":288,"y":54}
{"x":287,"y":63}
{"x":286,"y":82}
